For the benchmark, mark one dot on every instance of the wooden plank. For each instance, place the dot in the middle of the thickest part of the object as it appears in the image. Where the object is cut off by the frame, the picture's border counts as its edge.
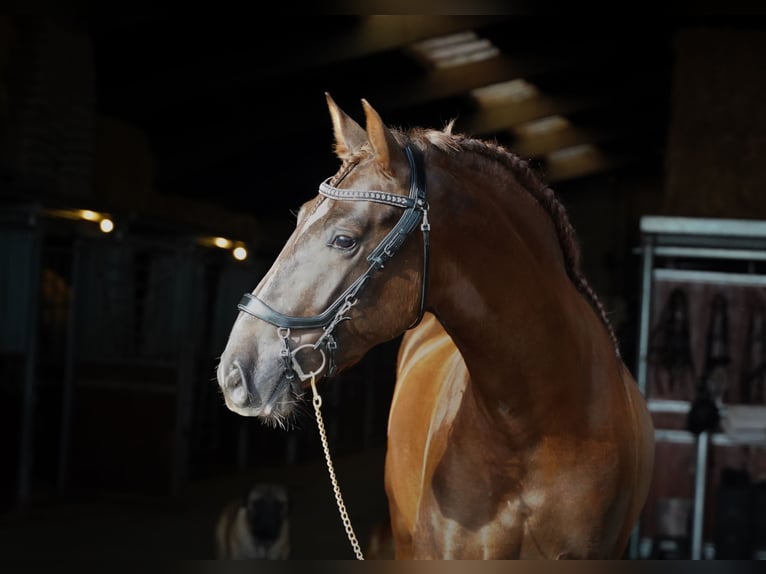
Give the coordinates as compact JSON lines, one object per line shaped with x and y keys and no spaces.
{"x":504,"y":115}
{"x":381,"y":33}
{"x":558,"y":171}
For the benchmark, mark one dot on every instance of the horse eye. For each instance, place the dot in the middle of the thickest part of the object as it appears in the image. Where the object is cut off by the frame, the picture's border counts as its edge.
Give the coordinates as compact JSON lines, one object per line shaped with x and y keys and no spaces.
{"x":343,"y":242}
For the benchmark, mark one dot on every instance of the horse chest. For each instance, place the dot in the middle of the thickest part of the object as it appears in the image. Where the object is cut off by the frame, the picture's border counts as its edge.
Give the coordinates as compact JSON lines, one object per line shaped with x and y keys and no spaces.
{"x":511,"y":525}
{"x":469,"y":496}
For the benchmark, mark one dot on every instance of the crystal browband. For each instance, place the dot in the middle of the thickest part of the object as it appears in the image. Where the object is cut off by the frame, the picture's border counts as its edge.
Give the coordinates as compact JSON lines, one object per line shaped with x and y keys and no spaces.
{"x":363,"y":195}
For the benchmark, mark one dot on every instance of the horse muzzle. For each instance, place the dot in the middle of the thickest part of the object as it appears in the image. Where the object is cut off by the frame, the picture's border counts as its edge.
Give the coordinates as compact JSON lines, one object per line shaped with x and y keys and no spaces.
{"x":253,"y":386}
{"x":255,"y":390}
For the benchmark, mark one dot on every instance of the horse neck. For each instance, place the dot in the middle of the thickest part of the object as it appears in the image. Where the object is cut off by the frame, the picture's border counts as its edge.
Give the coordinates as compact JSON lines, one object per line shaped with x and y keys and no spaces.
{"x":500,"y":288}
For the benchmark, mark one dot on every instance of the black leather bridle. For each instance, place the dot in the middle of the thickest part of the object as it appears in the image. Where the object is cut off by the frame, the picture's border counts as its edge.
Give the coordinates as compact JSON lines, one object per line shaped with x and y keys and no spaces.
{"x":415,"y":207}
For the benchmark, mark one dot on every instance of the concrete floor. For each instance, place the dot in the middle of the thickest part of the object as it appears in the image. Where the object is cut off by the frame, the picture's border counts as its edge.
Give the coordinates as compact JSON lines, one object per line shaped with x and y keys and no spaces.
{"x":182,"y":528}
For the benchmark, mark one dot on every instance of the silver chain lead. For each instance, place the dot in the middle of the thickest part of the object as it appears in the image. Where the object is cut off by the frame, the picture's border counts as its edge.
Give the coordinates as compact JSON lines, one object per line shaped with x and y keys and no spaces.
{"x":317,"y":401}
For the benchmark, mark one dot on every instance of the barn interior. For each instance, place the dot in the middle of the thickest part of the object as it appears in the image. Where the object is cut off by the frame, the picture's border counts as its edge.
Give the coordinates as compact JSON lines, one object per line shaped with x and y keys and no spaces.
{"x":150,"y":170}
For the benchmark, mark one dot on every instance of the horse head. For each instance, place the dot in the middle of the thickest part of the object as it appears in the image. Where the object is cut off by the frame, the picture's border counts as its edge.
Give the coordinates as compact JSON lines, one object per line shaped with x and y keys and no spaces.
{"x":347,"y":279}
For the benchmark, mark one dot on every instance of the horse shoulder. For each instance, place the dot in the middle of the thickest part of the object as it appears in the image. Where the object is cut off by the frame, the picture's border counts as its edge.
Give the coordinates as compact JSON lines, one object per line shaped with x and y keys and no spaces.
{"x":431,"y":377}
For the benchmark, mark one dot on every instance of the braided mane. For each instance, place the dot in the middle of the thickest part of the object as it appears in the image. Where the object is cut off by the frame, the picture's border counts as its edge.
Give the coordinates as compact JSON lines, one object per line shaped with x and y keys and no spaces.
{"x":544,"y":195}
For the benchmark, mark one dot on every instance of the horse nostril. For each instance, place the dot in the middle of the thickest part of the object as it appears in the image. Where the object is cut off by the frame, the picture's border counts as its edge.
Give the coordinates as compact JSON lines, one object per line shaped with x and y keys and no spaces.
{"x":233,"y":378}
{"x":236,"y":384}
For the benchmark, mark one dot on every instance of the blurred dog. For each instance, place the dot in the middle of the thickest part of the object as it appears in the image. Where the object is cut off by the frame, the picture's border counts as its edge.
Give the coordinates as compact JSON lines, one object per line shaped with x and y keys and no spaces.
{"x":256,"y":528}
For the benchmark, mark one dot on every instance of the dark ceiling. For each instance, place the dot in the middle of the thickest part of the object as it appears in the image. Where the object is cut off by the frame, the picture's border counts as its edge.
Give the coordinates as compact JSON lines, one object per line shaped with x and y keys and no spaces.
{"x":235,"y":109}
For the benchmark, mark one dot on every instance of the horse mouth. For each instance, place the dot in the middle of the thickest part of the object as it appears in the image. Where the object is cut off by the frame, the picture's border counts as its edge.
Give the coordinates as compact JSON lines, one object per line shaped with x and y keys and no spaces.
{"x":282,"y":401}
{"x":272,"y":399}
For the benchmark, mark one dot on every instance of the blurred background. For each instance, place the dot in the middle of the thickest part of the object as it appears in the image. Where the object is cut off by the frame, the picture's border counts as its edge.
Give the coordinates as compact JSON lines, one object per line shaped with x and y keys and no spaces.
{"x":149,"y":171}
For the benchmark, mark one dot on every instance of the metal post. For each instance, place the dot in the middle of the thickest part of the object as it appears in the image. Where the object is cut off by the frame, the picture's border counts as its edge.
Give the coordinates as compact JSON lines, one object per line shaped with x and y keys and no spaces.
{"x":647,"y":259}
{"x":646,"y":307}
{"x":703,"y":442}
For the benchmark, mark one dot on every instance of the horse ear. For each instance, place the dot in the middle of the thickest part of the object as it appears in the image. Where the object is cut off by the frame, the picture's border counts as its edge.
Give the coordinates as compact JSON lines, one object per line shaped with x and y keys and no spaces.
{"x":349,"y":135}
{"x":384,"y":144}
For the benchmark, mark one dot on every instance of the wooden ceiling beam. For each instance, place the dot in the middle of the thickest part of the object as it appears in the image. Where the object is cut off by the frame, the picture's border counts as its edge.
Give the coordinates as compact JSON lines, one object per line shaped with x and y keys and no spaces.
{"x":444,"y":83}
{"x":540,"y":144}
{"x":631,"y":105}
{"x":382,"y":33}
{"x":487,"y":119}
{"x":600,"y":161}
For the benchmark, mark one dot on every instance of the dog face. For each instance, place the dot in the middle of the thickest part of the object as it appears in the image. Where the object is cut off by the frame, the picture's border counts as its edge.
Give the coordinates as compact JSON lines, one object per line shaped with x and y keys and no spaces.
{"x":257,"y":527}
{"x":266,"y":509}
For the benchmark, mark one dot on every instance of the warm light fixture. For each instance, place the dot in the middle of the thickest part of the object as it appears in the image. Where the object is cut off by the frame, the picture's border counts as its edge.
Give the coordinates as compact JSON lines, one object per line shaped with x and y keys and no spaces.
{"x":106,"y":225}
{"x":238,"y":249}
{"x":239,"y":253}
{"x":222,"y":242}
{"x":89,"y":215}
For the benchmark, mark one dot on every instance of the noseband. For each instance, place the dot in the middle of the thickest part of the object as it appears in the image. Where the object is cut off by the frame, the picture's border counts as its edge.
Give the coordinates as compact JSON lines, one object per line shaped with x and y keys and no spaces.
{"x":415,"y":211}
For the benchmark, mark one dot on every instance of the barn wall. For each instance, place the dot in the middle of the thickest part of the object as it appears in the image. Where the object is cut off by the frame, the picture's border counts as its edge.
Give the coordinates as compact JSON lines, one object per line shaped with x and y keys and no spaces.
{"x":49,"y":91}
{"x":717,"y":135}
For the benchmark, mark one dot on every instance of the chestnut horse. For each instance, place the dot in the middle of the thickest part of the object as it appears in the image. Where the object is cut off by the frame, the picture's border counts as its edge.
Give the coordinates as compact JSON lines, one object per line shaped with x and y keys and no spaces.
{"x":515,"y":429}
